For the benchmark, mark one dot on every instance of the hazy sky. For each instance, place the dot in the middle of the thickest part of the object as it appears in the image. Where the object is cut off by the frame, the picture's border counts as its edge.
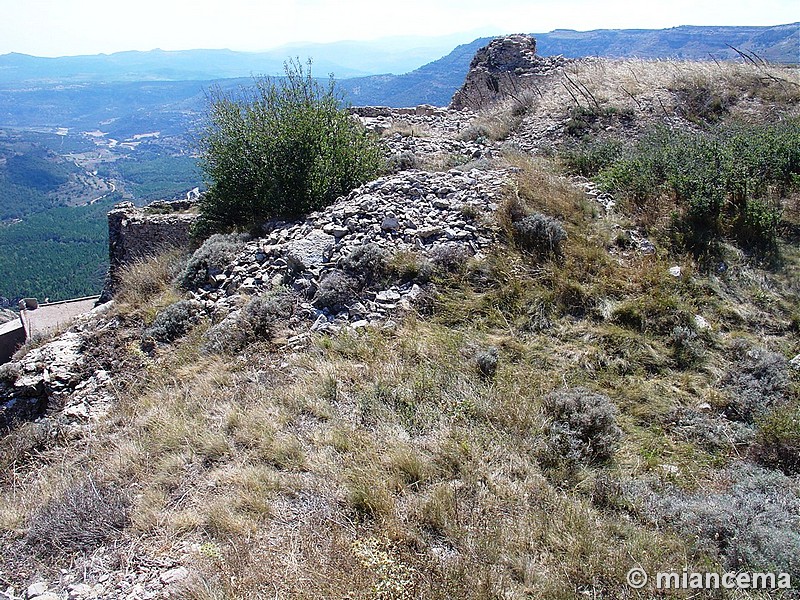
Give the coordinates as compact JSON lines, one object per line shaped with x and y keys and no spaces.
{"x":68,"y":27}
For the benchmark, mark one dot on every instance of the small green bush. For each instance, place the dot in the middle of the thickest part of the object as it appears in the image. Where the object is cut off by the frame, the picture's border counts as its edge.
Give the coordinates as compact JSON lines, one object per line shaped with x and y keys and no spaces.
{"x":590,"y":157}
{"x":255,"y":321}
{"x":283,"y":149}
{"x":777,"y":444}
{"x":582,"y":427}
{"x":210,"y":259}
{"x":540,"y":234}
{"x":368,"y":263}
{"x":687,"y":350}
{"x":174,"y":321}
{"x":725,"y":182}
{"x":405,"y":267}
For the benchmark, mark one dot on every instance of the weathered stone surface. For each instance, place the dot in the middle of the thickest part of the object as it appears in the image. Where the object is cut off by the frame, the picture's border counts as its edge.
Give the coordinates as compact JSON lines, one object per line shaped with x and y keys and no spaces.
{"x":37,"y":589}
{"x":309,"y":251}
{"x":55,"y":375}
{"x":174,"y":575}
{"x":503,"y":68}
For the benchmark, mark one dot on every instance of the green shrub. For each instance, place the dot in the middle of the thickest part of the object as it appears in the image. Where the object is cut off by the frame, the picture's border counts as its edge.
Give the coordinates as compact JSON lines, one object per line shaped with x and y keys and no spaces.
{"x":368,"y":263}
{"x":282,"y":149}
{"x":725,"y":182}
{"x":582,"y":427}
{"x":255,"y":321}
{"x":777,"y":444}
{"x":687,"y":350}
{"x":210,"y":259}
{"x":590,"y":157}
{"x":174,"y":321}
{"x":539,"y":234}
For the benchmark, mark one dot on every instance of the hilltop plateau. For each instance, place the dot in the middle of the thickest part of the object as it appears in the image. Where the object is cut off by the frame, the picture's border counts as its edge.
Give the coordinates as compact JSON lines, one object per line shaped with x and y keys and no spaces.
{"x":555,"y":340}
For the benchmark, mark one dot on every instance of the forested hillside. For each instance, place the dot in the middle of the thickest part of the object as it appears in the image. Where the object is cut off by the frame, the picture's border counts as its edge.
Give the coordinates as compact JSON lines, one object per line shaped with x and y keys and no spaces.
{"x":59,"y":253}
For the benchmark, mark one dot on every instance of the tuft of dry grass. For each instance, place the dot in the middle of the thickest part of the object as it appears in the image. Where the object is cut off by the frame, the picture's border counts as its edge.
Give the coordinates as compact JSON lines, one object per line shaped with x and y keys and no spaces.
{"x":144,"y":281}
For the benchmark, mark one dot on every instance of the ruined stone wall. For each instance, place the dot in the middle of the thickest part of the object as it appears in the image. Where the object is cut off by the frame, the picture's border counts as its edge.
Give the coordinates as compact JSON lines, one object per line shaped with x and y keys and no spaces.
{"x":136,"y":233}
{"x":505,"y":68}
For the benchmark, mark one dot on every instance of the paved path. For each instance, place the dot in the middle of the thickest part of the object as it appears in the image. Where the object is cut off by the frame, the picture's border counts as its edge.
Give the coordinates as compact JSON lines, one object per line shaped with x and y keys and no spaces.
{"x":49,"y":318}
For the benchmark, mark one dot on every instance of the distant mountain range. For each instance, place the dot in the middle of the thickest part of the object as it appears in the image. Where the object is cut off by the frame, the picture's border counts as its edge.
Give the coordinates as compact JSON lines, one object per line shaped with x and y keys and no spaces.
{"x":342,"y":59}
{"x":436,"y":82}
{"x":91,"y":92}
{"x":400,"y":55}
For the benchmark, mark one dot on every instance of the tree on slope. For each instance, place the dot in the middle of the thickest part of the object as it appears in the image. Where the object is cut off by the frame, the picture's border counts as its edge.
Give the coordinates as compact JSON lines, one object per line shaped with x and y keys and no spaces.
{"x":281,"y":149}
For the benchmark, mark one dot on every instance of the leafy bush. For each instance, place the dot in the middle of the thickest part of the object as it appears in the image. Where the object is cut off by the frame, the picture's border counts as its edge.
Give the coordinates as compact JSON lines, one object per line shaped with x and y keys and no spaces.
{"x":590,"y":157}
{"x":82,"y":518}
{"x":751,"y":523}
{"x":758,"y":381}
{"x":255,"y":321}
{"x":282,"y":149}
{"x":540,"y":234}
{"x":686,"y":348}
{"x":582,"y":427}
{"x":409,"y":266}
{"x":174,"y":321}
{"x":210,"y":259}
{"x":725,"y":182}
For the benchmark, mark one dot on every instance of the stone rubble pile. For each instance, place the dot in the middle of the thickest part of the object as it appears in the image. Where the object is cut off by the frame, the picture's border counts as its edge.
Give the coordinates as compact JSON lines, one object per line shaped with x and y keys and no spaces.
{"x":424,"y":134}
{"x":413,"y":211}
{"x":56,"y":376}
{"x":143,"y":578}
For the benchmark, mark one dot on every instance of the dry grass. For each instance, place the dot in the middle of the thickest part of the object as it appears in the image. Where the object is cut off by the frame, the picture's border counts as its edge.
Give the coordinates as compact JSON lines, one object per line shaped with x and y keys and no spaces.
{"x":144,"y":281}
{"x":632,"y":95}
{"x":406,"y":129}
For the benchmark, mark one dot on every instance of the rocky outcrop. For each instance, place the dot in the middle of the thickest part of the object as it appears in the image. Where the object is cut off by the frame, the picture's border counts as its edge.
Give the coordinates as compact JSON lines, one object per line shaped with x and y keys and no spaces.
{"x":135,"y":233}
{"x":503,"y":69}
